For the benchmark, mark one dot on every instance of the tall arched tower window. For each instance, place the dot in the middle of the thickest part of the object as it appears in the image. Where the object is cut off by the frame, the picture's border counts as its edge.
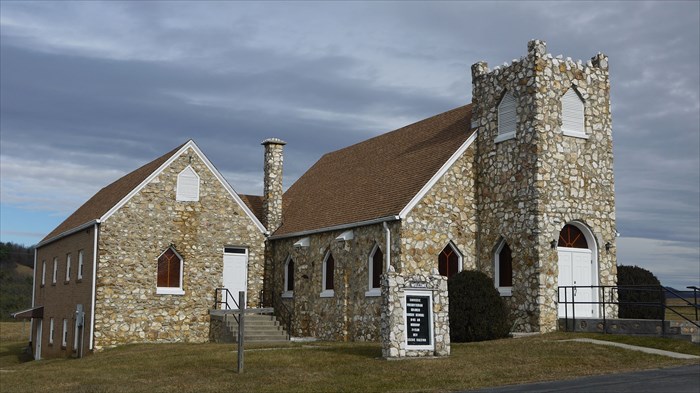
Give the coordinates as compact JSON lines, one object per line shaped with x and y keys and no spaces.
{"x":328,"y":276}
{"x":572,"y":114}
{"x":507,"y":117}
{"x":503,"y":269}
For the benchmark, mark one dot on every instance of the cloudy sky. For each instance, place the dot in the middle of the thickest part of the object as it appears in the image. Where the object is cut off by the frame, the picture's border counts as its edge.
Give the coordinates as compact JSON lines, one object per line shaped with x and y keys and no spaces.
{"x":90,"y":91}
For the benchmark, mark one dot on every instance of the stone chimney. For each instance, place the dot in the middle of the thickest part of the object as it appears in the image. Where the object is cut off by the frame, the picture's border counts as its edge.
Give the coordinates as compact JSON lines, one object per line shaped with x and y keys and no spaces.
{"x":272,"y":192}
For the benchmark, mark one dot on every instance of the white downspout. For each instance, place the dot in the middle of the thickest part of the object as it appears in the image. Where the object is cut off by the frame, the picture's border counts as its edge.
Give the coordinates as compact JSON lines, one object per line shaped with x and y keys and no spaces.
{"x":387,"y":237}
{"x":31,"y":321}
{"x":94,"y":284}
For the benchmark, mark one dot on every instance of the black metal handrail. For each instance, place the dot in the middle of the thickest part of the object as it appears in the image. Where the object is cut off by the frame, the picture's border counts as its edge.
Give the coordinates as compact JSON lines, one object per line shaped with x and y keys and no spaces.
{"x":613,"y":292}
{"x":281,"y":309}
{"x":222,"y":297}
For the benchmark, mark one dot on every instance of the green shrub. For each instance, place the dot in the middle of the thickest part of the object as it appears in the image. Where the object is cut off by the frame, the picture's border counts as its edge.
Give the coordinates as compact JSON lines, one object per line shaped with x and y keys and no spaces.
{"x":635,"y":275}
{"x":477,"y":312}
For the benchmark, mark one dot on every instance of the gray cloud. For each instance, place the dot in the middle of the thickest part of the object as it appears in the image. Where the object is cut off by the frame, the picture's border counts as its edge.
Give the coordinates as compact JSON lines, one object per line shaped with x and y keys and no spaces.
{"x":93,"y":90}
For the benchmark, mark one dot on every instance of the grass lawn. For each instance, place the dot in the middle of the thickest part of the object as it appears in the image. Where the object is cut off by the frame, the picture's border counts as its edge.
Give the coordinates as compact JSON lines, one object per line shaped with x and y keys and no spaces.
{"x":324,"y":367}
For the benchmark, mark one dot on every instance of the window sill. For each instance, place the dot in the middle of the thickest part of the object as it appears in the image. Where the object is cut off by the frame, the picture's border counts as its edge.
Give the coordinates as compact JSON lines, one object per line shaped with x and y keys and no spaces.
{"x":505,"y":291}
{"x":170,"y":291}
{"x":287,"y":294}
{"x":504,"y":137}
{"x":575,"y":134}
{"x":374,"y":292}
{"x":328,"y":293}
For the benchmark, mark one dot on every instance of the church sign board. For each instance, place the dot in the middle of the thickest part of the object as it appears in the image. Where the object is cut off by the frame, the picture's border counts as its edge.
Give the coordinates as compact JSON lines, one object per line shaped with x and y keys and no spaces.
{"x":418,"y":315}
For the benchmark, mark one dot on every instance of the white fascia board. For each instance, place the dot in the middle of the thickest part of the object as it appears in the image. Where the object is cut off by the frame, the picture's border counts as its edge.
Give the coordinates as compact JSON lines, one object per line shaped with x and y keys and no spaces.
{"x":437,"y":176}
{"x":210,"y":166}
{"x":68,"y":232}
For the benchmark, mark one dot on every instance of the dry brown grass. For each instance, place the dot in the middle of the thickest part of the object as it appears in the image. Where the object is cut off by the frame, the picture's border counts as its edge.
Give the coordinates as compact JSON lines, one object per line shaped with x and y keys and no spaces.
{"x":324,"y":367}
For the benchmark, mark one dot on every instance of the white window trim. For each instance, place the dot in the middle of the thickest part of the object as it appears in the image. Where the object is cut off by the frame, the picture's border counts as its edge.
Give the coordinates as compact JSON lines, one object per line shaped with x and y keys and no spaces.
{"x":326,"y":292}
{"x":287,"y":293}
{"x":454,"y":248}
{"x":68,"y":266}
{"x":171,"y":290}
{"x":80,"y":265}
{"x":55,"y":270}
{"x":51,"y":330}
{"x":504,"y":137}
{"x":371,"y":291}
{"x":64,"y":334}
{"x":185,"y":198}
{"x":574,"y":134}
{"x":43,"y":272}
{"x":503,"y":291}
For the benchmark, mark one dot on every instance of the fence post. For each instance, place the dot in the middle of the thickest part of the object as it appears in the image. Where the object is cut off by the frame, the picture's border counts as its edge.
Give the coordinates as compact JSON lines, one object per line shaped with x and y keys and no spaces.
{"x":241,"y":319}
{"x":663,"y":310}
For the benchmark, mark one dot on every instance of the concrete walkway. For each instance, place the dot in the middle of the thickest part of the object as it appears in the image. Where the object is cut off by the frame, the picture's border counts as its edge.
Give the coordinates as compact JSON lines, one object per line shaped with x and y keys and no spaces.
{"x":670,"y":354}
{"x":684,"y":379}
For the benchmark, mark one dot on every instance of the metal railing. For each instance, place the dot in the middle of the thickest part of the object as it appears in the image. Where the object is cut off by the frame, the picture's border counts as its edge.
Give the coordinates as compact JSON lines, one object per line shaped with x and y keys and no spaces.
{"x":610,"y":295}
{"x":223,"y":297}
{"x":283,"y":312}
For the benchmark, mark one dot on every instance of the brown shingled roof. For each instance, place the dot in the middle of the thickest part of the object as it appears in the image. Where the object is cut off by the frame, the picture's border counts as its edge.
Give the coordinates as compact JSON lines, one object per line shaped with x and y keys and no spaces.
{"x":254,"y":203}
{"x":375,"y":178}
{"x":109,"y":196}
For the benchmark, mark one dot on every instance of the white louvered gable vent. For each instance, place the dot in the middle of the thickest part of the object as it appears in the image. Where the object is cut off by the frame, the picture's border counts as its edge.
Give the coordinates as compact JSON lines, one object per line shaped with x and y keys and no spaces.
{"x":188,"y":185}
{"x":572,"y":117}
{"x":507,"y":117}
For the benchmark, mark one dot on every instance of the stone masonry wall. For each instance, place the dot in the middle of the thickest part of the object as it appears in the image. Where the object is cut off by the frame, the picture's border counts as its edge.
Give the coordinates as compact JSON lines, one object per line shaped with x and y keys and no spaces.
{"x":128,"y":309}
{"x":529,"y":187}
{"x":350,"y":315}
{"x":446,"y":214}
{"x":272,"y":184}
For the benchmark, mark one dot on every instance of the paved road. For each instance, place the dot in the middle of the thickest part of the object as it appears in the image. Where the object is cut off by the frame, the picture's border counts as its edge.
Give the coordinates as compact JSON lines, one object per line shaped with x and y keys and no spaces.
{"x":676,"y":379}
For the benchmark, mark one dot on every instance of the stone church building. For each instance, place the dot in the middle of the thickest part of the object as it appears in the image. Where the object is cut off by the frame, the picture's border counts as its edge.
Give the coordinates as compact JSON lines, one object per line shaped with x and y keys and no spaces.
{"x":517,"y":184}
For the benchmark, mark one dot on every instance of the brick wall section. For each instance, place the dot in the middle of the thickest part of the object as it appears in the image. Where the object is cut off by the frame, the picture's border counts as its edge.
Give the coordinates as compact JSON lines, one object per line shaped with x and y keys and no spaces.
{"x":349,"y":315}
{"x":529,"y":187}
{"x":60,"y":299}
{"x":128,"y":309}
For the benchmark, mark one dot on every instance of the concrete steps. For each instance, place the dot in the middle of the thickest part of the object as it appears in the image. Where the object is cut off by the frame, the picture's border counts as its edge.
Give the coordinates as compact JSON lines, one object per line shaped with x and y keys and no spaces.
{"x":258,"y":328}
{"x":673,"y":329}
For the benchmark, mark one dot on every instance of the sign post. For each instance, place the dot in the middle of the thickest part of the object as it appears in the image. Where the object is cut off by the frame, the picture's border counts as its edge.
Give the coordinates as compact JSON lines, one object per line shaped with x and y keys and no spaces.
{"x":241,"y":318}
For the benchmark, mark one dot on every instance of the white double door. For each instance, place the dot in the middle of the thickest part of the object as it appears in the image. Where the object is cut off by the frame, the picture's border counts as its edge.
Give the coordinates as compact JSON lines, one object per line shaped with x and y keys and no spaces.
{"x":235,"y":273}
{"x":576,"y":269}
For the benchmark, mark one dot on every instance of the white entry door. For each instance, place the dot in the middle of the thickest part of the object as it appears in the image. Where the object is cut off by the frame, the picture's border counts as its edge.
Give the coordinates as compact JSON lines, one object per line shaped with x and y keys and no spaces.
{"x":235,"y":272}
{"x":576,"y":269}
{"x":37,"y":354}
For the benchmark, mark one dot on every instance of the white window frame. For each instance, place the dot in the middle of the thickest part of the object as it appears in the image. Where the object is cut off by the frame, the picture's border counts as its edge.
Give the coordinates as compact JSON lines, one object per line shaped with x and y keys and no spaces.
{"x":64,"y":334}
{"x":371,"y":291}
{"x":68,"y":266}
{"x":55,"y":270}
{"x":460,"y":258}
{"x":183,"y":196}
{"x":80,"y":265}
{"x":51,"y":330}
{"x":171,"y":290}
{"x":568,"y":100}
{"x":327,"y":292}
{"x":504,"y":291}
{"x":43,"y":272}
{"x":503,"y":134}
{"x":287,"y":293}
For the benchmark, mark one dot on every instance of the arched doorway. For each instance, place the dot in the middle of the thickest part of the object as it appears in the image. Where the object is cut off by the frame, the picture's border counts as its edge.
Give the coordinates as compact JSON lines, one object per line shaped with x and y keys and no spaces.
{"x":578,"y":267}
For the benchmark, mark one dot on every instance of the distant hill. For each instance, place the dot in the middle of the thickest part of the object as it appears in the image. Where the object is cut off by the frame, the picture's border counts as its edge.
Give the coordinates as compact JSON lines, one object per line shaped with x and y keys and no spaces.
{"x":16,"y":272}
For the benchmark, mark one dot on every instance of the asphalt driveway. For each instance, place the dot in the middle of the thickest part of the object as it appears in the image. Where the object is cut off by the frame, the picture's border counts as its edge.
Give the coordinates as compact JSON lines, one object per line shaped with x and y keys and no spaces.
{"x":676,"y":379}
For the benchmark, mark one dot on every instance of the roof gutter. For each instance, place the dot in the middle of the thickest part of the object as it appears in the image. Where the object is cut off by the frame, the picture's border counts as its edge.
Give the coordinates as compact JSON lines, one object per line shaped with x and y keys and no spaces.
{"x":337,"y":227}
{"x":68,"y":232}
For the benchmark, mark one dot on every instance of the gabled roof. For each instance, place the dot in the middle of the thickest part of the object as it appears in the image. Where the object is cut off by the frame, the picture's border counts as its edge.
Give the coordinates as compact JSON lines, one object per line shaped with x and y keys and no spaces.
{"x":374,"y":179}
{"x":110,"y":198}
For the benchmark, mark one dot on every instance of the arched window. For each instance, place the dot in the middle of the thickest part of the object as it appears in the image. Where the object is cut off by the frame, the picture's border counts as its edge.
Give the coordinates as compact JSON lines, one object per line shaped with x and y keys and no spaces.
{"x":375,"y":264}
{"x":328,"y":275}
{"x":170,"y":273}
{"x":507,"y":117}
{"x":572,"y":237}
{"x":503,"y":269}
{"x":572,"y":114}
{"x":288,"y":278}
{"x":187,"y":185}
{"x":449,"y":261}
